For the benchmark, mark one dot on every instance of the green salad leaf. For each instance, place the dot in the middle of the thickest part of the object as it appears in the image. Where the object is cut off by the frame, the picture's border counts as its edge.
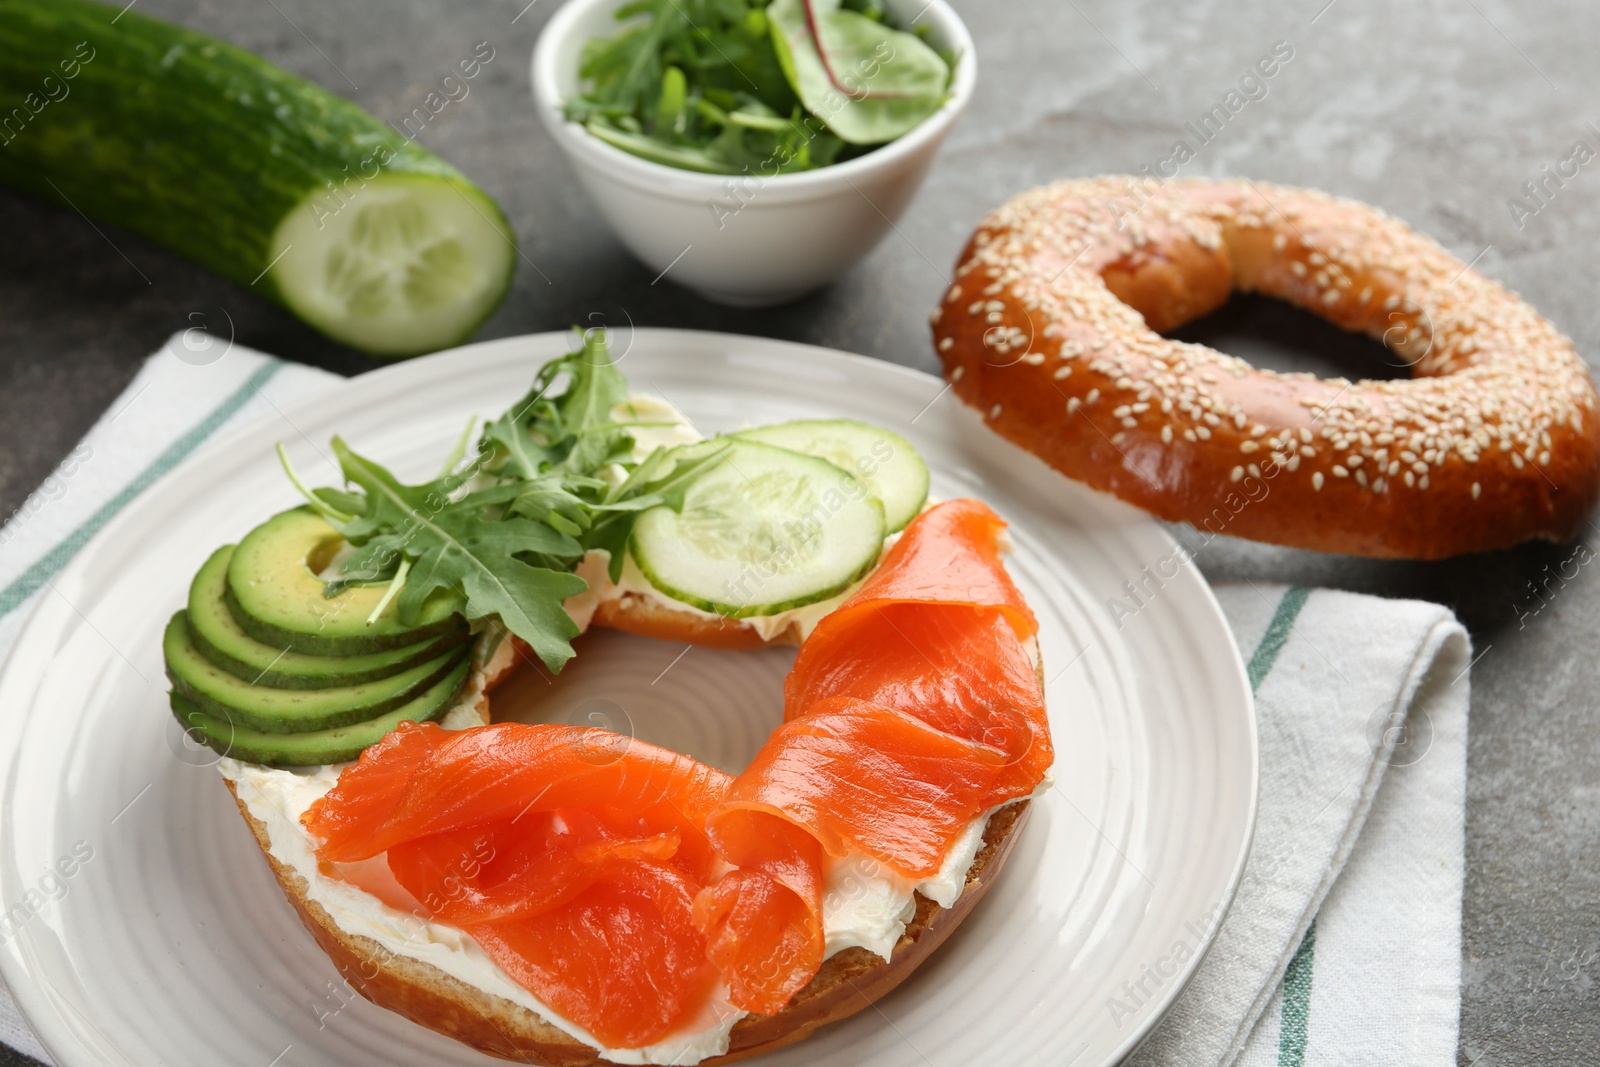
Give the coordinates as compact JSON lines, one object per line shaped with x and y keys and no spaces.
{"x":551,"y":478}
{"x":869,"y":83}
{"x":459,"y":549}
{"x":741,"y":87}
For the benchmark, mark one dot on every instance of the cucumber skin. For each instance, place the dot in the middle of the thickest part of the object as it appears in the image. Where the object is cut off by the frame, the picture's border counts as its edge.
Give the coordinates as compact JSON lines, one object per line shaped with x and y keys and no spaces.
{"x":185,"y":139}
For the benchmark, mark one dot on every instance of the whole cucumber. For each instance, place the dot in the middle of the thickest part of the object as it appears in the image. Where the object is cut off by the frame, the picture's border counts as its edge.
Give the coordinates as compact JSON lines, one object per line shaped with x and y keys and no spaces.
{"x":250,"y":171}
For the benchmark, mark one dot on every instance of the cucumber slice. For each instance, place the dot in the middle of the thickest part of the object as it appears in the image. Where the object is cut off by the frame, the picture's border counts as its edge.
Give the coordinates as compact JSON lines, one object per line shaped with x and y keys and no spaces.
{"x":285,"y":711}
{"x":293,"y":192}
{"x":760,"y":532}
{"x":277,"y":598}
{"x":882,"y":461}
{"x":336,"y":745}
{"x":220,"y":638}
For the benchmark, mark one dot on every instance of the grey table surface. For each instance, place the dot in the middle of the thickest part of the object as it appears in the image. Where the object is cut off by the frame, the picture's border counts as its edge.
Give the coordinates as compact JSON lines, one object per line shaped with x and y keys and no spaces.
{"x":1439,"y":111}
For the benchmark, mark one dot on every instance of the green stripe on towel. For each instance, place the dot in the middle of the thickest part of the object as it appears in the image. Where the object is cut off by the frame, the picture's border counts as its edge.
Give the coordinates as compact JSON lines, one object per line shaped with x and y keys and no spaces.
{"x":1297,"y":978}
{"x":49,"y":564}
{"x":1297,"y":1002}
{"x":1266,"y":653}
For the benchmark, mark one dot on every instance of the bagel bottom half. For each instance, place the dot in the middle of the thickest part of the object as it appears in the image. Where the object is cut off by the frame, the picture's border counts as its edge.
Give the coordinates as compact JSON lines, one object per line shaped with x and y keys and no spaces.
{"x":847,"y":982}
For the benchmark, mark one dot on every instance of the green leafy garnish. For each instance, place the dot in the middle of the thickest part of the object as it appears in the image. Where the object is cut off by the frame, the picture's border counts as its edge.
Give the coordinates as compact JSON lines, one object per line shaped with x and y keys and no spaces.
{"x":741,"y":87}
{"x":869,"y":82}
{"x":551,"y":478}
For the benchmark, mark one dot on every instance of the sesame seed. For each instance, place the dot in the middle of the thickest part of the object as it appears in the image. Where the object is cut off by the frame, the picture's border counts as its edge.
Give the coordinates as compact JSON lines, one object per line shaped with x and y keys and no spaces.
{"x":1316,"y":480}
{"x":1340,"y":472}
{"x":994,"y":412}
{"x":1091,"y":396}
{"x":1072,"y":404}
{"x":955,"y":375}
{"x":1237,"y":475}
{"x":1062,"y":372}
{"x":946,"y":343}
{"x":1248,"y":446}
{"x":1166,"y":435}
{"x":1476,"y":490}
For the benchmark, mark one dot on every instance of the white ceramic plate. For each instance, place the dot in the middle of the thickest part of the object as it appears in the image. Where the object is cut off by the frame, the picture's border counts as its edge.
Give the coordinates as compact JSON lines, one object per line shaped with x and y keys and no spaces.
{"x":174,"y":946}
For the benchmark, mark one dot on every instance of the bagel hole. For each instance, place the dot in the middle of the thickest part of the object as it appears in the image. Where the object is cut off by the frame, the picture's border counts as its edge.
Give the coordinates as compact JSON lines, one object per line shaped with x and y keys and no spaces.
{"x":1274,"y":335}
{"x":709,"y":703}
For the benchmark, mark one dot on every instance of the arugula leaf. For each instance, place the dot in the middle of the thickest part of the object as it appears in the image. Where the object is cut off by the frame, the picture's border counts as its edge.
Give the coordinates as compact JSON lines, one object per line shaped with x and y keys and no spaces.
{"x":454,"y":550}
{"x":868,"y":82}
{"x":573,"y":432}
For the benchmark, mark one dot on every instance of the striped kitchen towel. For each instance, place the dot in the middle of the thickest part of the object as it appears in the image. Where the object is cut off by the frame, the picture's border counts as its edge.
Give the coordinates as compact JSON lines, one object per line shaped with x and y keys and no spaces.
{"x":1343,"y":944}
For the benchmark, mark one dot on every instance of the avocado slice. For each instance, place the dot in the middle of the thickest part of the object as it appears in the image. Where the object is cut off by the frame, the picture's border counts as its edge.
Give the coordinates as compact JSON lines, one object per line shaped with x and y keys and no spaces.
{"x":284,"y":711}
{"x":335,"y":745}
{"x":276,"y":597}
{"x":220,"y":638}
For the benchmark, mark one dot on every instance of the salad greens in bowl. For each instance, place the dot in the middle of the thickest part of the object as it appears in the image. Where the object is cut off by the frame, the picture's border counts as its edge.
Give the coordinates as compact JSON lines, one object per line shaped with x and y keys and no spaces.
{"x":726,"y":86}
{"x":752,"y":150}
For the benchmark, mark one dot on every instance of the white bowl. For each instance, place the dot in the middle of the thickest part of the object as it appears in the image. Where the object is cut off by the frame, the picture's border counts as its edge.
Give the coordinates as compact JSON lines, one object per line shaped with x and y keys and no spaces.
{"x":748,"y":240}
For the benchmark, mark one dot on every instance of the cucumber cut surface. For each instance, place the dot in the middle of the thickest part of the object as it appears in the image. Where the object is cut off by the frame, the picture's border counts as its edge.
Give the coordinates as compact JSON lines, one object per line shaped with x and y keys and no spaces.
{"x":277,"y":598}
{"x":220,"y":638}
{"x":884,"y":462}
{"x":261,"y":707}
{"x":762,"y":531}
{"x":335,"y":745}
{"x":406,"y":263}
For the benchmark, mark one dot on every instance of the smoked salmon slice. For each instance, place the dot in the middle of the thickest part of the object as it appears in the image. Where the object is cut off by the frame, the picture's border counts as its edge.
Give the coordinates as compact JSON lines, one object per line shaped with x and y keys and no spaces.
{"x":911,"y":709}
{"x":572,"y":856}
{"x":620,"y":882}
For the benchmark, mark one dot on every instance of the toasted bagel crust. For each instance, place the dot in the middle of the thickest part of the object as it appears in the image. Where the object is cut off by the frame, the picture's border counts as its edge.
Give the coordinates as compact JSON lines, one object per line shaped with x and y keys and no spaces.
{"x":635,"y":614}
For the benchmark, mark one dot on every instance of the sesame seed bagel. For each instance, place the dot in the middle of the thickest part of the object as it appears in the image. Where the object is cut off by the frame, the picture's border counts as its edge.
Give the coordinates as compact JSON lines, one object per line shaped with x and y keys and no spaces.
{"x":1052,"y":329}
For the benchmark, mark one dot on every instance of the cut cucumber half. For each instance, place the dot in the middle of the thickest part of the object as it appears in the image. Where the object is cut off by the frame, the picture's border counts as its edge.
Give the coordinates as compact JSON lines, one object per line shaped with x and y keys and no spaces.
{"x":277,"y":598}
{"x":220,"y":638}
{"x":291,"y":191}
{"x":336,"y":745}
{"x":762,"y":531}
{"x":409,"y":263}
{"x":882,"y":461}
{"x":261,"y":707}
